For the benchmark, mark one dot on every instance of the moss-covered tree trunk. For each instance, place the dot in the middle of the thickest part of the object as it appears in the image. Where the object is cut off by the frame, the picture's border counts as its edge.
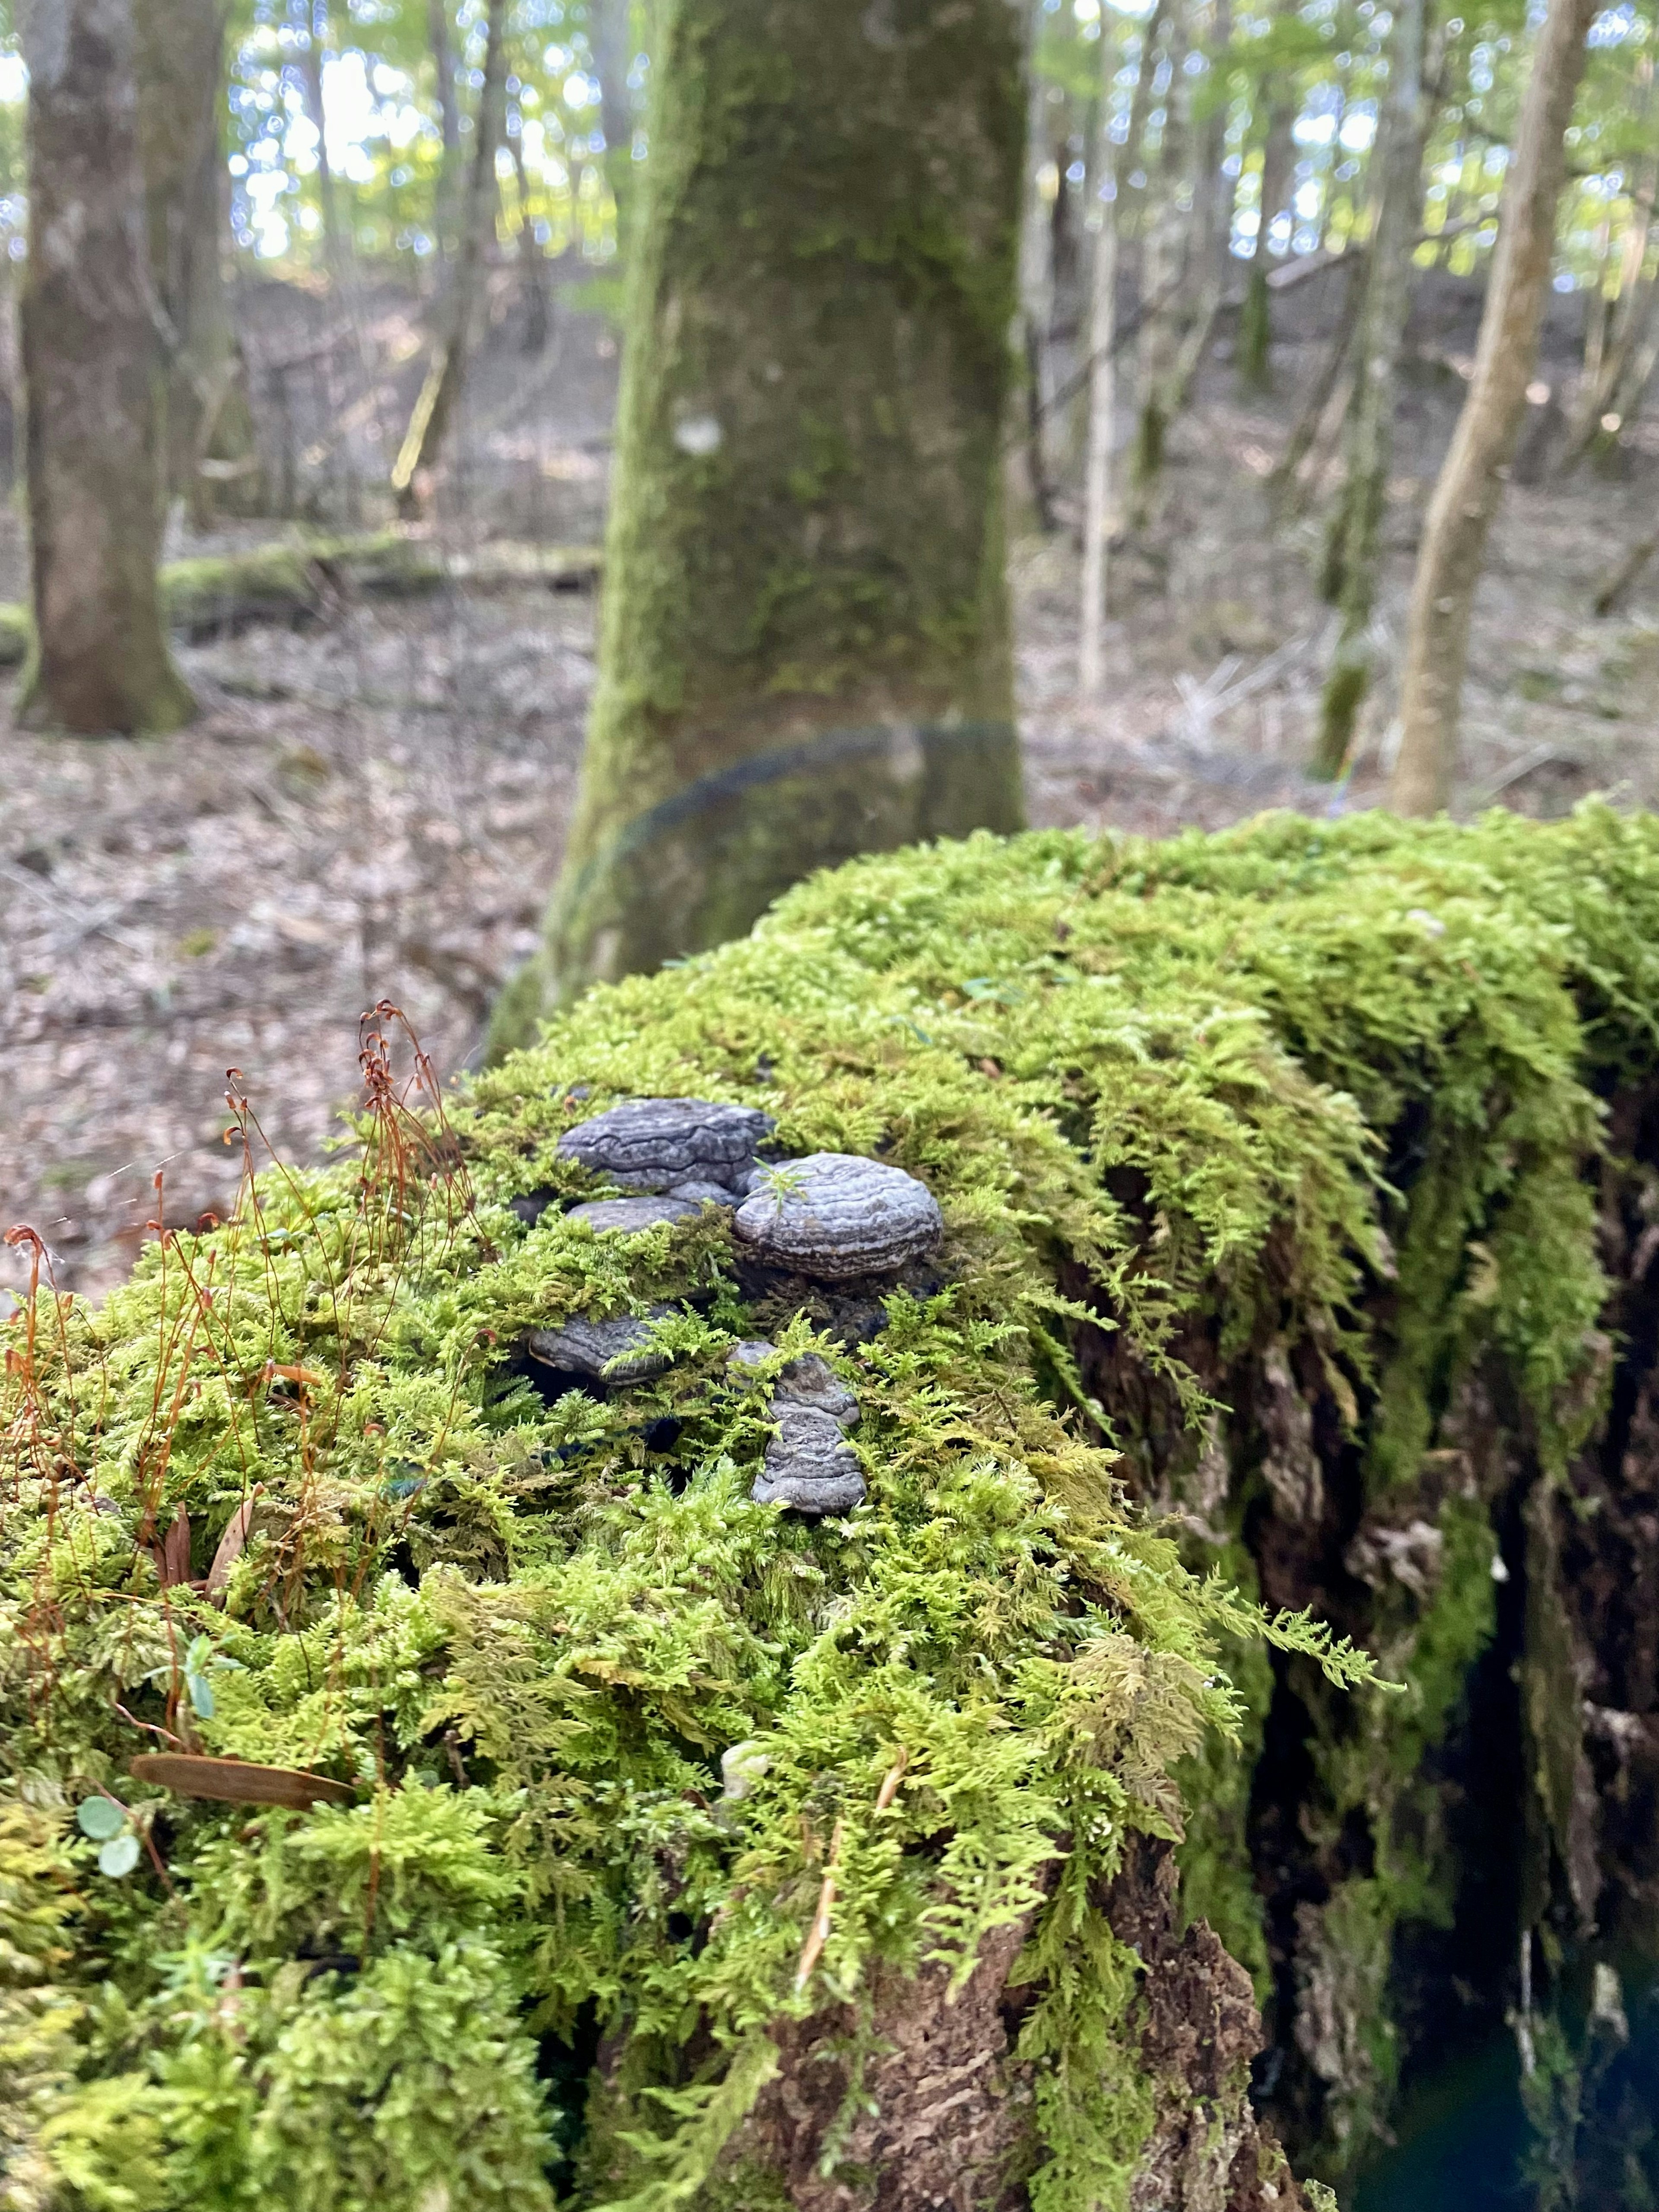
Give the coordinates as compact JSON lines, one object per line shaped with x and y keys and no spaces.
{"x":181,"y":56}
{"x":806,"y":646}
{"x":92,"y":364}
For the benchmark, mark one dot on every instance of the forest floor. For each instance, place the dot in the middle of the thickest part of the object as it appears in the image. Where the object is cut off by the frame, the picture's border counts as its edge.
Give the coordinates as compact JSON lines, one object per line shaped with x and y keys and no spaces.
{"x":374,"y":806}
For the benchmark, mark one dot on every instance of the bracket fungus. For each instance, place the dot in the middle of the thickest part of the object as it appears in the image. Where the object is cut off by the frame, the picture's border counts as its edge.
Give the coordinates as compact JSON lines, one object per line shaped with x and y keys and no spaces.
{"x":834,"y":1215}
{"x":615,"y":1351}
{"x":657,"y":1144}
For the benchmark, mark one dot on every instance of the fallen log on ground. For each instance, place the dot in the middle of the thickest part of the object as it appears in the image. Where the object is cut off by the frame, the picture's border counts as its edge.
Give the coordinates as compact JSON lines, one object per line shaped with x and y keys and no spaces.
{"x":214,"y":592}
{"x":813,"y":1738}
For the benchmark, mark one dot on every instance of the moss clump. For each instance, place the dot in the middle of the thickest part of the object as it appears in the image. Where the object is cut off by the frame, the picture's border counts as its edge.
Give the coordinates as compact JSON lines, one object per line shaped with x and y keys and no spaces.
{"x":1159,"y":1092}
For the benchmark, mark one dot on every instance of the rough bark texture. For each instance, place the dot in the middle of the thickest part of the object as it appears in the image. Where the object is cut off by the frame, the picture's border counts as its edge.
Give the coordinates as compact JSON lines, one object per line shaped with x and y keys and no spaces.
{"x":423,"y":447}
{"x":1207,"y":2152}
{"x":805,"y":650}
{"x":181,"y":91}
{"x":945,"y":2119}
{"x":1383,"y":310}
{"x":1471,"y":478}
{"x":93,"y":367}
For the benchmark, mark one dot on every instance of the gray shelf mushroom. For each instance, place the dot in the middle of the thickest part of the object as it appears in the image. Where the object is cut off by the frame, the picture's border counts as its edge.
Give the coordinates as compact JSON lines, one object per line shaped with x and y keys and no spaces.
{"x":657,"y":1144}
{"x":834,"y":1215}
{"x":589,"y":1348}
{"x":809,"y":1466}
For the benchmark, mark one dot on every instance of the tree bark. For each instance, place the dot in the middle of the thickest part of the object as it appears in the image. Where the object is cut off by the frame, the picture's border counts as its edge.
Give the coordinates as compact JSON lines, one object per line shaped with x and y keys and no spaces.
{"x":92,"y":364}
{"x":1471,"y":478}
{"x":428,"y":426}
{"x":182,"y":60}
{"x":805,"y":649}
{"x":1097,"y":520}
{"x":1357,"y":527}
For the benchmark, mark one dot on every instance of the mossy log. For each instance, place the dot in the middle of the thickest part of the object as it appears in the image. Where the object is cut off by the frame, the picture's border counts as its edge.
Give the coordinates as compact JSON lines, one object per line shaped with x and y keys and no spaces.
{"x":1295,"y":1294}
{"x":214,"y":592}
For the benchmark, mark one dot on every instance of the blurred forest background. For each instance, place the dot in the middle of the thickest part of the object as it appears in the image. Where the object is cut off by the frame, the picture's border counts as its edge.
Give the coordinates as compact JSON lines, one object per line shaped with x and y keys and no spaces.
{"x":1252,"y":253}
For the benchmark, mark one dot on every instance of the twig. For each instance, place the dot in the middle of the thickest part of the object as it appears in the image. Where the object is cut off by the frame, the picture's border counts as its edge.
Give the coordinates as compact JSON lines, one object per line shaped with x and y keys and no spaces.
{"x":818,"y":1934}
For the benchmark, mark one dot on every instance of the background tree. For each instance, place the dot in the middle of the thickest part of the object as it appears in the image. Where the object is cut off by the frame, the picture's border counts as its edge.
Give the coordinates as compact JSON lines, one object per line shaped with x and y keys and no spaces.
{"x":181,"y":63}
{"x":1470,"y":482}
{"x":435,"y":408}
{"x":805,"y":647}
{"x":1355,"y":527}
{"x":93,"y":367}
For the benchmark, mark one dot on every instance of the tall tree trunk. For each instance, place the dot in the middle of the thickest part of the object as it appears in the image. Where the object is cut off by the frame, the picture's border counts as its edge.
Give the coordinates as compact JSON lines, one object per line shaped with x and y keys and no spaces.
{"x":449,"y":122}
{"x":1357,"y":529}
{"x":532,"y":262}
{"x":1277,"y":97}
{"x":805,"y":649}
{"x":609,"y":36}
{"x":1622,"y":328}
{"x":311,"y":81}
{"x":1165,"y":257}
{"x":92,"y":363}
{"x":1471,"y":478}
{"x":181,"y":61}
{"x":1098,"y":519}
{"x":428,"y":426}
{"x":1036,"y":280}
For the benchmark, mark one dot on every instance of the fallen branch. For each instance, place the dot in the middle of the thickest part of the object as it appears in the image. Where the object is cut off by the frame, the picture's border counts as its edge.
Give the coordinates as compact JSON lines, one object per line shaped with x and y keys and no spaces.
{"x":296,"y":583}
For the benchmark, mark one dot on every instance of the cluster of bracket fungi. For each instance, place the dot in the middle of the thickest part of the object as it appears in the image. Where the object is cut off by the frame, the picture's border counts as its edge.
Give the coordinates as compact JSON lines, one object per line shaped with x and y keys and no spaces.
{"x":829,"y":1234}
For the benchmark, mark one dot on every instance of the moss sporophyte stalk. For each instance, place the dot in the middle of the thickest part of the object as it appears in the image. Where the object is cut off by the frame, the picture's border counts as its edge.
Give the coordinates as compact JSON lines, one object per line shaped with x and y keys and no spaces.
{"x":1251,"y":1150}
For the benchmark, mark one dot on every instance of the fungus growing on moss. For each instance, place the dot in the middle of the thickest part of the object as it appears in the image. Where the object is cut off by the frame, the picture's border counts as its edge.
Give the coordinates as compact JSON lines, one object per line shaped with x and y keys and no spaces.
{"x":1255,"y":1131}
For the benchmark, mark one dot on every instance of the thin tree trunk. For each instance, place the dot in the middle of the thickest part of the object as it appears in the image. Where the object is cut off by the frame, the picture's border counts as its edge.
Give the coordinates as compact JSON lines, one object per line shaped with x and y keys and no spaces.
{"x":1211,"y":227}
{"x":1036,"y":282}
{"x":1163,"y":262}
{"x":610,"y":37}
{"x":449,"y":122}
{"x":428,"y":426}
{"x":1277,"y":163}
{"x":1284,"y":485}
{"x":182,"y":60}
{"x":1098,"y":519}
{"x":93,"y":367}
{"x":1472,"y":479}
{"x":1386,"y":305}
{"x":805,"y":647}
{"x":311,"y":79}
{"x":532,"y":264}
{"x":1622,"y":327}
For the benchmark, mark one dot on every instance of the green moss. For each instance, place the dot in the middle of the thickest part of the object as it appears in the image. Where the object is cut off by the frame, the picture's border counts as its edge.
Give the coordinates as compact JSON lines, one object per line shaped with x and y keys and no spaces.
{"x":1322,"y":1086}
